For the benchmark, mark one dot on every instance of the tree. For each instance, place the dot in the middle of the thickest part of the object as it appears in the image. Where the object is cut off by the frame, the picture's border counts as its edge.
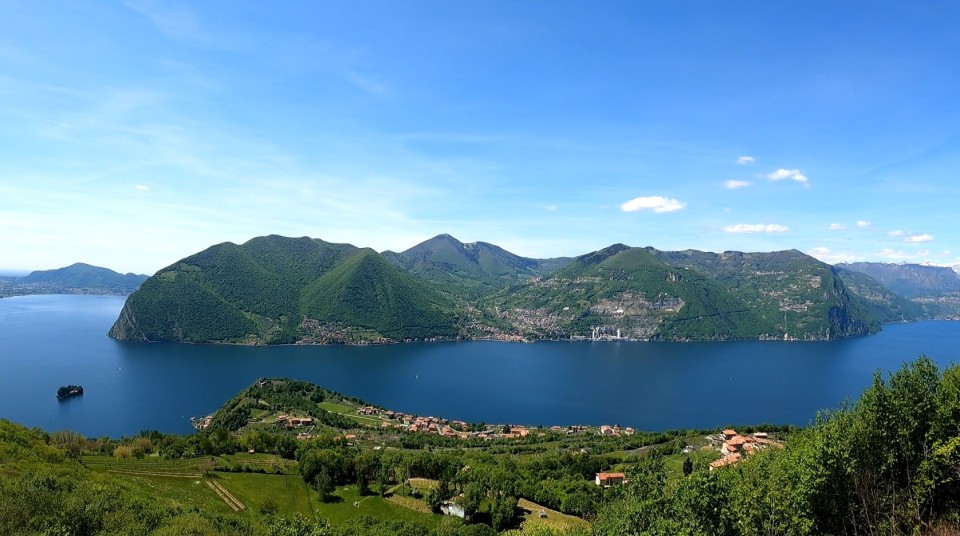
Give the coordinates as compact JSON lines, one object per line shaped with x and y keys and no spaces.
{"x":503,"y":512}
{"x":323,"y":483}
{"x":687,"y":466}
{"x":298,"y":526}
{"x":473,"y":494}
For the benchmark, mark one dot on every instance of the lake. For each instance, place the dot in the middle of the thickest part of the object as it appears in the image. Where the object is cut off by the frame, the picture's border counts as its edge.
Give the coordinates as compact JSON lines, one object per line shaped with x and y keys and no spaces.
{"x":49,"y":341}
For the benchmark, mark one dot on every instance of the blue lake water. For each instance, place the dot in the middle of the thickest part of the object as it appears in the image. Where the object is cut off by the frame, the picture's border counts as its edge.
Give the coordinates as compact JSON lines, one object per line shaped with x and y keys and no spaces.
{"x":48,"y":341}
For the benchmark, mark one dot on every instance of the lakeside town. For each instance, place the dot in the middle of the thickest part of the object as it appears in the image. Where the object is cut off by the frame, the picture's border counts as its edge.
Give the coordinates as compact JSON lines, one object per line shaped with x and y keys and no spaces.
{"x":730,"y":445}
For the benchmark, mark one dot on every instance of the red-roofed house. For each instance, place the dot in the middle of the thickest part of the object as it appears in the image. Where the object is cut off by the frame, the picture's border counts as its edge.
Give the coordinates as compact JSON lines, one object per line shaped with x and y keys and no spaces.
{"x":610,"y":479}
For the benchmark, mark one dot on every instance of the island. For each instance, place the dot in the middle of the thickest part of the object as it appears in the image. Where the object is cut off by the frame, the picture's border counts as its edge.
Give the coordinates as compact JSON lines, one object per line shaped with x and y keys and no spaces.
{"x":68,"y":391}
{"x":281,"y":290}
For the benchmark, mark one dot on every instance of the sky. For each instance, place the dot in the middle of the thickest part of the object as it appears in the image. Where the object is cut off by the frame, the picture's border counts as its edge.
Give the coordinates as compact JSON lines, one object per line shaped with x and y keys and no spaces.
{"x":135,"y":133}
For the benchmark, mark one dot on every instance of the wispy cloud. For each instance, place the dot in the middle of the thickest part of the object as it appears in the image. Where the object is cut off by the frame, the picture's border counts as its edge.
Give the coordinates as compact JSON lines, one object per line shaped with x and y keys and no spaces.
{"x":367,"y":82}
{"x":827,"y":255}
{"x":142,"y":187}
{"x":550,"y":207}
{"x":655,"y":203}
{"x":746,"y":160}
{"x":911,"y":237}
{"x":863,"y":224}
{"x":179,"y":23}
{"x":888,"y":253}
{"x":734,"y":184}
{"x":791,"y":174}
{"x":756,"y":228}
{"x":837,"y":227}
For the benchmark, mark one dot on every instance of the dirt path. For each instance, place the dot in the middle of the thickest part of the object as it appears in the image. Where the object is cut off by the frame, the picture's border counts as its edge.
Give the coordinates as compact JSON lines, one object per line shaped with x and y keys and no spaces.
{"x":227,"y":497}
{"x":152,"y":473}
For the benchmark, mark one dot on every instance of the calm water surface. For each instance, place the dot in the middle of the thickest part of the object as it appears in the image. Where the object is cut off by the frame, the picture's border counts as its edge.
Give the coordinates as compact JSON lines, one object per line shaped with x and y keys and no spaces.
{"x":48,"y":341}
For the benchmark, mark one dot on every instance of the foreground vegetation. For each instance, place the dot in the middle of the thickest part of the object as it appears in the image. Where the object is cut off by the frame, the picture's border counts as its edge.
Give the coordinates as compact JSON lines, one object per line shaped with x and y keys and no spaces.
{"x":887,"y":464}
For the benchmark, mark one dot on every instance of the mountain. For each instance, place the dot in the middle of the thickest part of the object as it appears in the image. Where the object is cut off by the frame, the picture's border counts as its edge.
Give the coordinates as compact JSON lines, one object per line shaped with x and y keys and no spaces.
{"x":649,"y":294}
{"x":275,"y":289}
{"x":911,"y":280}
{"x":77,"y":278}
{"x":470,"y":269}
{"x":883,"y":303}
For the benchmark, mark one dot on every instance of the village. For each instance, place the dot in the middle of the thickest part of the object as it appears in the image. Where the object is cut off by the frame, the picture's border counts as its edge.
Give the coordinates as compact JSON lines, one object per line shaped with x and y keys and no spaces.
{"x":733,"y":446}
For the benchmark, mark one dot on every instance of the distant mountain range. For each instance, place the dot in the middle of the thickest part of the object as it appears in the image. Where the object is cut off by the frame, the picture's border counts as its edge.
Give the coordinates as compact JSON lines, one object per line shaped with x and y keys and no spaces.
{"x":276,"y":290}
{"x":77,"y":278}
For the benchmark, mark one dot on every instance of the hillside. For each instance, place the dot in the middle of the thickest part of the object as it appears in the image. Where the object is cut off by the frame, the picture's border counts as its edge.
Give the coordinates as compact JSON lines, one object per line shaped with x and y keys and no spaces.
{"x":274,"y":289}
{"x":886,"y":305}
{"x":911,"y":280}
{"x":648,"y":294}
{"x":262,"y":467}
{"x":78,"y":278}
{"x":470,"y":269}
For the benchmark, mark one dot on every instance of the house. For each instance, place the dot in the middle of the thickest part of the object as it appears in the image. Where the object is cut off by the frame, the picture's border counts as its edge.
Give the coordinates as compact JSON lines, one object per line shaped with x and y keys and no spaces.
{"x":726,"y":460}
{"x":729,"y":433}
{"x":734,"y":444}
{"x":610,"y":479}
{"x":451,"y":508}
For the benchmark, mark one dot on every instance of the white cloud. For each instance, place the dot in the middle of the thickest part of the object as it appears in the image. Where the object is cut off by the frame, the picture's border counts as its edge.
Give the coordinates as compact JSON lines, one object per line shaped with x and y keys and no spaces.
{"x":864,"y":224}
{"x":792,"y":174}
{"x":825,"y":254}
{"x":746,"y":160}
{"x":837,"y":226}
{"x":142,"y":187}
{"x":734,"y":184}
{"x":921,"y":237}
{"x":550,"y":207}
{"x":655,"y":203}
{"x":888,"y":253}
{"x":911,"y":237}
{"x":756,"y":228}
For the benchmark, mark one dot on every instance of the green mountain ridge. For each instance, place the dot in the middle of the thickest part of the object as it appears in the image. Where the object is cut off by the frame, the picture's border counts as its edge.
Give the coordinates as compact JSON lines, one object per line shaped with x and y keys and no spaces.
{"x":78,"y":278}
{"x":910,"y":280}
{"x":469,"y":269}
{"x":274,"y":289}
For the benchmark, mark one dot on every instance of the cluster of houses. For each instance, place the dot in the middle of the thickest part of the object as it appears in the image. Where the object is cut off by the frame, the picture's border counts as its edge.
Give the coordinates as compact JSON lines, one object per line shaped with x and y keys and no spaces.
{"x":202,"y":423}
{"x":440,"y":426}
{"x":615,"y":430}
{"x":734,"y":446}
{"x":290,"y":423}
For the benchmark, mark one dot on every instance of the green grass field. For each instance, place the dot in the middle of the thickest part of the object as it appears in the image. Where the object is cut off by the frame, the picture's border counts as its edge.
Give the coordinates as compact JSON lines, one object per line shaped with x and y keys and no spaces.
{"x":351,"y":413}
{"x":553,"y":519}
{"x":343,"y":509}
{"x":673,"y":464}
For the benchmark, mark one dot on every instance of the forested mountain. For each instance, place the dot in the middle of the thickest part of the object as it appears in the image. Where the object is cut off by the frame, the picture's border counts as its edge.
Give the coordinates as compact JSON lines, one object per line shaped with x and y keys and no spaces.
{"x":280,"y":290}
{"x":649,"y":294}
{"x":469,"y":268}
{"x":275,"y":289}
{"x":883,"y":303}
{"x":911,"y":280}
{"x":78,"y":278}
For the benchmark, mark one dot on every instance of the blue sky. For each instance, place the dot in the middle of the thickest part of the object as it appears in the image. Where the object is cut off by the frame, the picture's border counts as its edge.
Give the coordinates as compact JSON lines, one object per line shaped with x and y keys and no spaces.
{"x":135,"y":133}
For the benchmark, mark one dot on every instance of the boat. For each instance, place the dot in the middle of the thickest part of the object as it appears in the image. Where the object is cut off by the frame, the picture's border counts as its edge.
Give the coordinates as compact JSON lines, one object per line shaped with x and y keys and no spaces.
{"x":67,"y":391}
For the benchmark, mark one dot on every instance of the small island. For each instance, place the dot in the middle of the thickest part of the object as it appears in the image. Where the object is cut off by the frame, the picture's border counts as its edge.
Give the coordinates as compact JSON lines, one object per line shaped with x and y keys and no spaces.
{"x":67,"y":391}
